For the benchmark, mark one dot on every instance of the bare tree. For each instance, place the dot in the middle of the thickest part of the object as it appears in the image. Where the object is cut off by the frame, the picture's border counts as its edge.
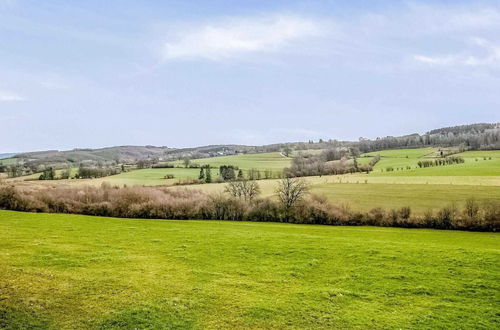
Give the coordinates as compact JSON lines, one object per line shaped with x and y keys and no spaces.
{"x":246,"y":189}
{"x":186,"y":162}
{"x":290,"y":191}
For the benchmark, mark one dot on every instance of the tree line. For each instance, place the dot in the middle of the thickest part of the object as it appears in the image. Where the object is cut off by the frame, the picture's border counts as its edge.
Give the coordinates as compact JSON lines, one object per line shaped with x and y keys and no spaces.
{"x":441,"y":161}
{"x":241,"y":201}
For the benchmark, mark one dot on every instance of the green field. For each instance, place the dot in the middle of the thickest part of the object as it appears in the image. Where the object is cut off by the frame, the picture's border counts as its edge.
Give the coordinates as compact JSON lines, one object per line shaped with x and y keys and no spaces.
{"x":419,"y":188}
{"x":149,"y":177}
{"x":71,"y":271}
{"x":264,"y":161}
{"x":156,"y":176}
{"x":420,"y":198}
{"x":475,"y":163}
{"x":8,"y":161}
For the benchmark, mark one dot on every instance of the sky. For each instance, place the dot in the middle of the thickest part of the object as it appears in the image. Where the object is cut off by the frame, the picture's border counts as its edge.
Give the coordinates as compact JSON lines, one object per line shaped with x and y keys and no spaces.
{"x":77,"y":74}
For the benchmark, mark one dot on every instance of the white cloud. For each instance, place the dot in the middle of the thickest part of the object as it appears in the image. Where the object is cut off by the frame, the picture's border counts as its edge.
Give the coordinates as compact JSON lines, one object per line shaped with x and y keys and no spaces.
{"x":6,"y":96}
{"x":489,"y":58}
{"x":237,"y":36}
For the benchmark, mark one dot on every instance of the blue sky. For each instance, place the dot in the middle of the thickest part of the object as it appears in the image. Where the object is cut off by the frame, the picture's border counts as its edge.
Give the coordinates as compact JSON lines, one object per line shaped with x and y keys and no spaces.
{"x":187,"y":73}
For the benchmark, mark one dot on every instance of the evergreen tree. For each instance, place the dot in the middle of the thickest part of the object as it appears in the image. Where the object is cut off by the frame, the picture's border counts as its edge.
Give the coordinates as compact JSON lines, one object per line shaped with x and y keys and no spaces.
{"x":240,"y":175}
{"x":202,"y":174}
{"x":208,"y":175}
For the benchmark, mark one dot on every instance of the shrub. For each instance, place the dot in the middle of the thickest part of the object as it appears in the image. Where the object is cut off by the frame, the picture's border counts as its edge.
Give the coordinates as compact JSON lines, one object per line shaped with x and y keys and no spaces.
{"x":165,"y":203}
{"x":445,"y":217}
{"x":405,"y":212}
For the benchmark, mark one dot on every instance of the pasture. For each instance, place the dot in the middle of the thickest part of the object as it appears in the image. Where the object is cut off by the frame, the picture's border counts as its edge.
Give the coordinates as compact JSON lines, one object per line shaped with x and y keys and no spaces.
{"x":71,"y":271}
{"x":8,"y":161}
{"x":477,"y":163}
{"x":362,"y":196}
{"x":149,"y":177}
{"x":274,"y":161}
{"x":419,"y":188}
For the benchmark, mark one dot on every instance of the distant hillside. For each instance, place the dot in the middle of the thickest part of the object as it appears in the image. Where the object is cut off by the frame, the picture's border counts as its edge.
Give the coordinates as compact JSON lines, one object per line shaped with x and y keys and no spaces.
{"x":473,"y":128}
{"x":118,"y":154}
{"x":469,"y":137}
{"x":127,"y":154}
{"x":3,"y":156}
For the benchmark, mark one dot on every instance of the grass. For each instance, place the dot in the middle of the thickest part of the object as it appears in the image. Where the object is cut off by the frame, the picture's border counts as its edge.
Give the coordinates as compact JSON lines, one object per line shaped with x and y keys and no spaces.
{"x":8,"y":161}
{"x":364,"y":197}
{"x":420,"y":198}
{"x":274,"y":161}
{"x":475,"y":163}
{"x":71,"y":271}
{"x":149,"y":177}
{"x":420,"y":188}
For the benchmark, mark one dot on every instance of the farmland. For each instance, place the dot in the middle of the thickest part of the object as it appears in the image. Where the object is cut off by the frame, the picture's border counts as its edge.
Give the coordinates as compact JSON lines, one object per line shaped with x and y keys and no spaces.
{"x":477,"y":163}
{"x":420,"y":188}
{"x":263,"y":161}
{"x":70,"y":271}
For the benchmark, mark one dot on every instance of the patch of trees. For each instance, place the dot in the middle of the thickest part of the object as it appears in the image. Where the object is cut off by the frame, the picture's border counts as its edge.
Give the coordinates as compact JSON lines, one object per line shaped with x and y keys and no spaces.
{"x":326,"y":163}
{"x":294,"y":205}
{"x":470,"y":137}
{"x":85,"y":172}
{"x":48,"y":174}
{"x":163,"y":165}
{"x":144,"y":163}
{"x":374,"y":161}
{"x":245,"y":189}
{"x":205,"y":174}
{"x":14,"y":171}
{"x":227,"y":172}
{"x":440,"y":162}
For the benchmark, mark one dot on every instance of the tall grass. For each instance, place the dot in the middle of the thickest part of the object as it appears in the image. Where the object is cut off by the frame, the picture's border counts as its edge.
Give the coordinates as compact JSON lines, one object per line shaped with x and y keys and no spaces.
{"x":164,"y":203}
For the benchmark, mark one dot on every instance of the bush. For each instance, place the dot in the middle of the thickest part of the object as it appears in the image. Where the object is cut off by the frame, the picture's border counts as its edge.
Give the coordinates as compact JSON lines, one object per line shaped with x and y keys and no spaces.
{"x":445,"y":217}
{"x":164,"y":203}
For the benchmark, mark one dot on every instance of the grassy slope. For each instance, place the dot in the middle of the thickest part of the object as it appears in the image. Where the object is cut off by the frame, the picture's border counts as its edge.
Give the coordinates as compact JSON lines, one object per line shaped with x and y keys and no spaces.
{"x":8,"y":161}
{"x":364,"y":197}
{"x":416,"y":187}
{"x":70,"y":271}
{"x":264,"y":161}
{"x":151,"y":176}
{"x":475,"y":164}
{"x":419,"y":197}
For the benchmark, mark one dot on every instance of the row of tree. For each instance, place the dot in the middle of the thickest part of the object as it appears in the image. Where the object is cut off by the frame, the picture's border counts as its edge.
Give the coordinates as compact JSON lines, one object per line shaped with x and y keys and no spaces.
{"x":441,"y":161}
{"x":241,"y":202}
{"x":328,"y":163}
{"x":85,"y":172}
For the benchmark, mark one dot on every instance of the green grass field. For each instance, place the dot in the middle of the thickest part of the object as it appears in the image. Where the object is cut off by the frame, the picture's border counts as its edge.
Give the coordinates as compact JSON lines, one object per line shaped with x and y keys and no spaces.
{"x":149,"y":177}
{"x":419,"y":188}
{"x":475,"y":163}
{"x":156,"y":176}
{"x":393,"y":196}
{"x":364,"y":197}
{"x":8,"y":161}
{"x":71,"y":271}
{"x":264,"y":161}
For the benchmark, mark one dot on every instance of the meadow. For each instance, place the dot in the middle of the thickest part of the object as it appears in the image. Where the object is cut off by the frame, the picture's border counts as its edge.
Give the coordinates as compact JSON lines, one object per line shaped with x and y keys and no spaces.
{"x":272,"y":161}
{"x":264,"y":161}
{"x":419,"y":188}
{"x":71,"y":271}
{"x":477,"y":163}
{"x":149,"y":177}
{"x":8,"y":161}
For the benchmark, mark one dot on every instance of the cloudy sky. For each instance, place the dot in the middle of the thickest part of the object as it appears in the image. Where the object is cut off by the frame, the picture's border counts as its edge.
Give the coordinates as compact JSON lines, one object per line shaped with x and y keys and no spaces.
{"x":186,"y":73}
